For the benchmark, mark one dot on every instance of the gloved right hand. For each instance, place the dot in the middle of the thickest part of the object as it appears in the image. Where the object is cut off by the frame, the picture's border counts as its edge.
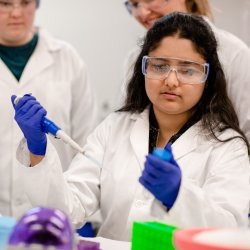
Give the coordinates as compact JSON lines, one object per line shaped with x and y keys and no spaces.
{"x":29,"y":115}
{"x":162,"y":177}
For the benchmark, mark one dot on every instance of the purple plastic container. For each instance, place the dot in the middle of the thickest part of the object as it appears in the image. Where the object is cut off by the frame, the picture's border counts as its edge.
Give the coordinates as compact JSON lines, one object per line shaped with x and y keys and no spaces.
{"x":44,"y":226}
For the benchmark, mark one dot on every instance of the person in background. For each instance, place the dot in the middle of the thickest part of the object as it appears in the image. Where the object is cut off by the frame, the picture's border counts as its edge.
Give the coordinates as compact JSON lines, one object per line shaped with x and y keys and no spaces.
{"x":176,"y":100}
{"x":233,"y":53}
{"x":32,"y":61}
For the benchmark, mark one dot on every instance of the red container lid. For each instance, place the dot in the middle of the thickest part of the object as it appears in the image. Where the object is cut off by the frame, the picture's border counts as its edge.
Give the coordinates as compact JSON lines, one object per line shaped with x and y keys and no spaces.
{"x":212,"y":239}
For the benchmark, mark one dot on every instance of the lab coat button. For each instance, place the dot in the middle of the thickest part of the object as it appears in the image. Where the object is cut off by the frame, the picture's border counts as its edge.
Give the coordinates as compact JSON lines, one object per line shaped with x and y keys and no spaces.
{"x":139,"y":203}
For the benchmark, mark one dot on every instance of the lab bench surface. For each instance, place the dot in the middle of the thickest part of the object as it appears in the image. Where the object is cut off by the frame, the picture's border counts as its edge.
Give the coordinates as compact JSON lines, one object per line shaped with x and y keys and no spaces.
{"x":107,"y":244}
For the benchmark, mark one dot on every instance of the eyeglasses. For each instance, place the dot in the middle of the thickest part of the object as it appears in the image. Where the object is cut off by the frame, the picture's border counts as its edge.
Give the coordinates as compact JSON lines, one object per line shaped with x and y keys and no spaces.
{"x":187,"y":71}
{"x":133,"y":6}
{"x":7,"y":6}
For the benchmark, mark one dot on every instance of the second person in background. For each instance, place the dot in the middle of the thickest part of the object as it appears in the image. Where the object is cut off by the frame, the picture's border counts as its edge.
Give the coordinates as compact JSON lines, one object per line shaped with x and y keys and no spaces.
{"x":234,"y":55}
{"x":32,"y":61}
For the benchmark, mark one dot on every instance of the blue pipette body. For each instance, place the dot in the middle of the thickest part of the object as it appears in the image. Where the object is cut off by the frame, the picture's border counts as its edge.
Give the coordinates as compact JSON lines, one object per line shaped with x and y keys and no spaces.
{"x":162,"y":154}
{"x":49,"y":126}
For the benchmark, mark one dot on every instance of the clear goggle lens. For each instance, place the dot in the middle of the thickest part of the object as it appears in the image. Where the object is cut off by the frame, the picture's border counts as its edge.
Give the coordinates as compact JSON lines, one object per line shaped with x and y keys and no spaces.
{"x":189,"y":72}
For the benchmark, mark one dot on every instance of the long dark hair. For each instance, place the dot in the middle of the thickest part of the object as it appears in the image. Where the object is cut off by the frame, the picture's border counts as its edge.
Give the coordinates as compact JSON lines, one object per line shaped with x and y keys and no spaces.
{"x":214,"y":109}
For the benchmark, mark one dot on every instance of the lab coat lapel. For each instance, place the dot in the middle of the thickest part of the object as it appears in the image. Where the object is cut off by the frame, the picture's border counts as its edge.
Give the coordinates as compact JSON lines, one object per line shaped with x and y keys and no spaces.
{"x":187,"y":142}
{"x":40,"y":60}
{"x":139,"y":136}
{"x":6,"y":76}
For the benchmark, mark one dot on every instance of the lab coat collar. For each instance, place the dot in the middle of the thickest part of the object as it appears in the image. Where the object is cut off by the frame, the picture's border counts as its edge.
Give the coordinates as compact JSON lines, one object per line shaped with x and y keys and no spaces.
{"x":187,"y":142}
{"x":41,"y":57}
{"x":51,"y":43}
{"x":6,"y":75}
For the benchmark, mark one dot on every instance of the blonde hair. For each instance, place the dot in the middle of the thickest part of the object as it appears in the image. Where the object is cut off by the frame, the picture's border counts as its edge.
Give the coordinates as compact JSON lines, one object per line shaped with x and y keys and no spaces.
{"x":199,"y":7}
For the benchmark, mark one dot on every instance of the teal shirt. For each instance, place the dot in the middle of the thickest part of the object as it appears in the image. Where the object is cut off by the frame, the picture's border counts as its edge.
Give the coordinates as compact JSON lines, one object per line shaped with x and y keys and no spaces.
{"x":16,"y":58}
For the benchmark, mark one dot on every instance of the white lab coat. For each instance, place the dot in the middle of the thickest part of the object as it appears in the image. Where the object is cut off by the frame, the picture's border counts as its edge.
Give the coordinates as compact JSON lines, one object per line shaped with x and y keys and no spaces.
{"x":57,"y":77}
{"x":214,"y":189}
{"x":234,"y":56}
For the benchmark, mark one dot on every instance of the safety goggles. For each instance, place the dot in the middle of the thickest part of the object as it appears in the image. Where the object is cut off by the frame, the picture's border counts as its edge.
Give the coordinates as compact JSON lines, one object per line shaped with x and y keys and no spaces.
{"x":134,"y":6}
{"x":187,"y":71}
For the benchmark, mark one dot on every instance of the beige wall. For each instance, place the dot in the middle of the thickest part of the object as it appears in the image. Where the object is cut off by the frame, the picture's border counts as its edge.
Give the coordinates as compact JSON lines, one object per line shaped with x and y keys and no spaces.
{"x":234,"y":16}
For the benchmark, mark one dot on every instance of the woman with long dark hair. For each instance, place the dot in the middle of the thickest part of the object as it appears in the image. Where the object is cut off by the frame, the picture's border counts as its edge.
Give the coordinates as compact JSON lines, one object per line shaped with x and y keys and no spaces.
{"x":233,"y":53}
{"x":176,"y":100}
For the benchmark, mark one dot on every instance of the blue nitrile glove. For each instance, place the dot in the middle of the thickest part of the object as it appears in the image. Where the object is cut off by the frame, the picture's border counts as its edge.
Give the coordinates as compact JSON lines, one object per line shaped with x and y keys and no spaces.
{"x":162,"y":178}
{"x":29,"y":115}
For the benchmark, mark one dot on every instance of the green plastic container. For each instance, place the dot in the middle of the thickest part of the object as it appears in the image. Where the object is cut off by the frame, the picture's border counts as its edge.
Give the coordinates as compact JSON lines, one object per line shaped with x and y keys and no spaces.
{"x":152,"y":236}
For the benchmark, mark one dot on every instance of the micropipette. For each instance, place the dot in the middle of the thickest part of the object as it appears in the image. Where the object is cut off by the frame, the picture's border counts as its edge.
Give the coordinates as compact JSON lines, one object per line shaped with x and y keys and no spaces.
{"x":50,"y":127}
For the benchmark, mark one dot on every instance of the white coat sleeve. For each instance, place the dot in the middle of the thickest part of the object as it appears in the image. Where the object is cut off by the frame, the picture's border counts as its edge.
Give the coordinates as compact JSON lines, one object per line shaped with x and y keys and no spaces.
{"x":234,"y":56}
{"x":238,"y":77}
{"x":77,"y":191}
{"x":222,"y":200}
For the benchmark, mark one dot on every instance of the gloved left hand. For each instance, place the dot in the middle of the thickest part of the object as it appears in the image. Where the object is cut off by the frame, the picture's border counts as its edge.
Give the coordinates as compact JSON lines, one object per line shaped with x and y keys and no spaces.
{"x":29,"y":115}
{"x":162,"y":178}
